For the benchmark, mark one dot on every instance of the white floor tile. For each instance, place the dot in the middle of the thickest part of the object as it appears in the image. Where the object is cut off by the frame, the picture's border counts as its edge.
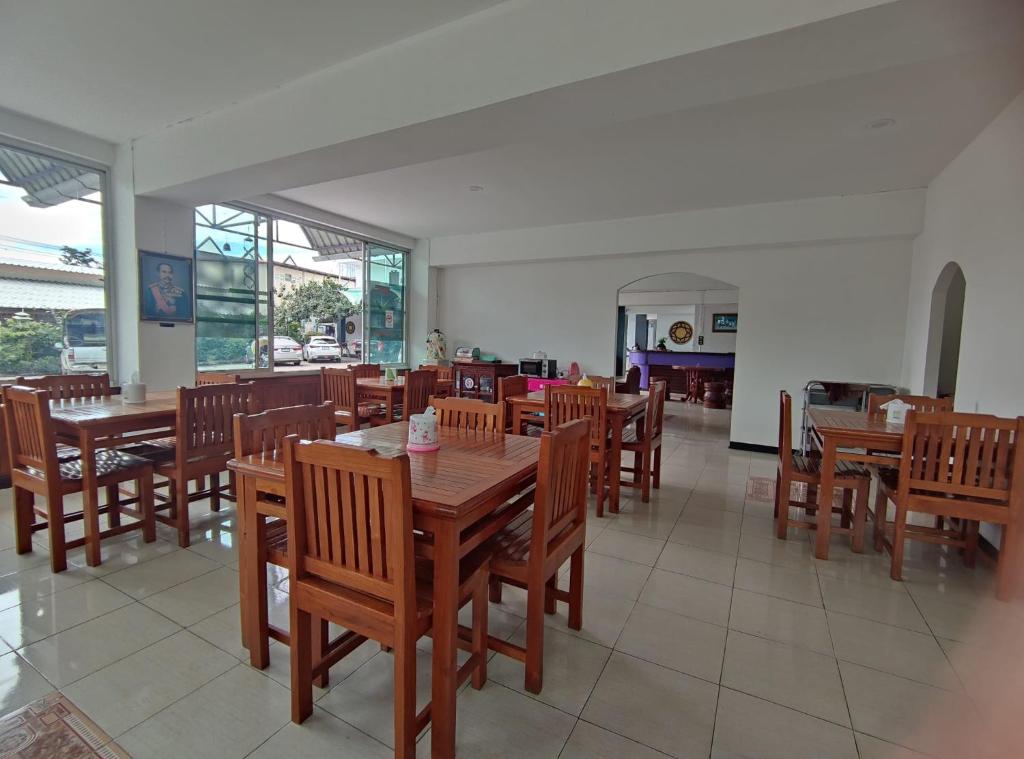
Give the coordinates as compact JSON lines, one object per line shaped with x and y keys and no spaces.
{"x":689,"y":596}
{"x":198,"y":598}
{"x":20,"y":684}
{"x":592,"y":742}
{"x":672,"y":640}
{"x":698,"y":562}
{"x":320,"y":736}
{"x":771,"y":580}
{"x":624,"y":545}
{"x":780,"y":620}
{"x":36,"y":619}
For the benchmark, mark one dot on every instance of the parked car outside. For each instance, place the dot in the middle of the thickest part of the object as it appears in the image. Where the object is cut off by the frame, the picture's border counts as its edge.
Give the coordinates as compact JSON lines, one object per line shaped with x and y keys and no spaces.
{"x":286,"y":351}
{"x":321,"y":348}
{"x":85,"y":342}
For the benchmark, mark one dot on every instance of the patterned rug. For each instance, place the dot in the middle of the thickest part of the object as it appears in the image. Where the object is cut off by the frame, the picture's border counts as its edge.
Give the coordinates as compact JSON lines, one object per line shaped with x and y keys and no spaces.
{"x":54,"y":727}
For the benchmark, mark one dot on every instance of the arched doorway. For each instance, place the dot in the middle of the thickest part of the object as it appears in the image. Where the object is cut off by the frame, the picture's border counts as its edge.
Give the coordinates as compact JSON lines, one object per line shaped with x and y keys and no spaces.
{"x":945,"y":326}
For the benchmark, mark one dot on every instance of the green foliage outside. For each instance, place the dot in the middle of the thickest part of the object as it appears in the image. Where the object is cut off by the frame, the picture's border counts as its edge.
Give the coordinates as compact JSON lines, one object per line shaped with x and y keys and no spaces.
{"x":212,"y":351}
{"x":75,"y":257}
{"x":319,"y":301}
{"x":26,"y":347}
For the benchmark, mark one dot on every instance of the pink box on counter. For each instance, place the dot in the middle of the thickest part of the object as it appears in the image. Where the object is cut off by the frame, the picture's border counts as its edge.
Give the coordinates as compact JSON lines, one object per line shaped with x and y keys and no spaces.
{"x":536,"y":383}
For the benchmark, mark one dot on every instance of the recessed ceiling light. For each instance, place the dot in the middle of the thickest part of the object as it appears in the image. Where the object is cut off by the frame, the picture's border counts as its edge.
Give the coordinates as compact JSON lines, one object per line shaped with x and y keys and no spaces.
{"x":878,"y":124}
{"x":476,"y":188}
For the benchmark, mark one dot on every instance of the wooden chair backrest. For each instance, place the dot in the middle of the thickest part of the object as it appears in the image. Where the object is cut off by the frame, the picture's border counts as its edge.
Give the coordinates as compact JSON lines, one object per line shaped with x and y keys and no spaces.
{"x":566,"y":403}
{"x":510,"y":387}
{"x":967,"y":456}
{"x":444,"y":373}
{"x":656,"y":409}
{"x":339,"y":386}
{"x":350,"y":519}
{"x":785,"y":431}
{"x":560,"y":500}
{"x":632,"y":383}
{"x":264,"y":433}
{"x":923,"y":403}
{"x":419,"y":387}
{"x":205,"y":419}
{"x":216,"y":378}
{"x":65,"y":386}
{"x":608,"y":383}
{"x":469,"y":414}
{"x":365,"y":371}
{"x":31,"y":440}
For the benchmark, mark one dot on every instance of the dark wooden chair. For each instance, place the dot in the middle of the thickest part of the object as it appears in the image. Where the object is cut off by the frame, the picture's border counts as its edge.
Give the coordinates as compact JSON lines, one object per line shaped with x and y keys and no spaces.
{"x":445,"y":379}
{"x":469,"y":414}
{"x":216,"y":378}
{"x":365,"y":371}
{"x":510,"y":387}
{"x":529,"y":552}
{"x":419,"y":387}
{"x":850,"y":476}
{"x":350,"y":560}
{"x":266,"y":539}
{"x":632,"y":382}
{"x":66,"y":386}
{"x":35,"y":470}
{"x":340,"y":387}
{"x":203,"y":444}
{"x":566,"y":403}
{"x":644,"y":441}
{"x":960,"y":467}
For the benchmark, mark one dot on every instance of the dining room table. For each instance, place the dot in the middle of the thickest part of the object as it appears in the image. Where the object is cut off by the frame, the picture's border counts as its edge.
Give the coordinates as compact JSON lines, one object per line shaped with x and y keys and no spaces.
{"x":462,"y":494}
{"x":107,"y":422}
{"x":389,"y":393}
{"x":623,"y":410}
{"x":847,"y":435}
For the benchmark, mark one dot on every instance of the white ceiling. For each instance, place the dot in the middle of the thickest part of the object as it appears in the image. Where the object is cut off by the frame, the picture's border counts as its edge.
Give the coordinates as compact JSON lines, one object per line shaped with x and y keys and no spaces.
{"x":940,"y":71}
{"x":125,"y":68}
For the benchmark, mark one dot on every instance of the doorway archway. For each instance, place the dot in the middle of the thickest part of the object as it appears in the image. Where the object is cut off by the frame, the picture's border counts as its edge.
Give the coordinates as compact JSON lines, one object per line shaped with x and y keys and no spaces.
{"x":945,"y":327}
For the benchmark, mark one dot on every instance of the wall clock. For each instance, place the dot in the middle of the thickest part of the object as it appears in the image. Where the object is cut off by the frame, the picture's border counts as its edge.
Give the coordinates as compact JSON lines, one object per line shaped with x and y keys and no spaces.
{"x":681,"y":332}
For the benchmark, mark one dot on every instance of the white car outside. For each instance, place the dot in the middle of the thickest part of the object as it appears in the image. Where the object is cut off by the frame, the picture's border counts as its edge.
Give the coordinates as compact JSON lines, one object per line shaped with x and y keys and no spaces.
{"x":321,"y":349}
{"x":287,"y":351}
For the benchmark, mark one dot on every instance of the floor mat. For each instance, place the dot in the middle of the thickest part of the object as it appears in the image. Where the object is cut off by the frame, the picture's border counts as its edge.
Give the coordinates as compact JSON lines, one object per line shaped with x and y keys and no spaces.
{"x":54,"y":727}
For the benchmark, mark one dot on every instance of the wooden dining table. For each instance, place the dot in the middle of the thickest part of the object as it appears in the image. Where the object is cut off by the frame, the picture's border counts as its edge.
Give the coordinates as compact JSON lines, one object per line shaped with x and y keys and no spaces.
{"x":843,"y":434}
{"x":623,"y":409}
{"x":462,"y":494}
{"x":390,"y":392}
{"x":105,"y":422}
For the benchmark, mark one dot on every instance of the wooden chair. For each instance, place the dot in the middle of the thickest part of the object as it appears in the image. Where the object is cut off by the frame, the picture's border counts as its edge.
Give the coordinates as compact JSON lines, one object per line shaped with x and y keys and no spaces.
{"x":565,"y":403}
{"x":644,"y":440}
{"x":35,"y":470}
{"x":266,"y":540}
{"x":365,"y":371}
{"x":419,"y":388}
{"x":922,"y":403}
{"x":350,"y":560}
{"x":340,"y":387}
{"x":529,"y":552}
{"x":444,"y":373}
{"x":631,"y":384}
{"x":67,"y":386}
{"x":608,"y":383}
{"x":203,"y":444}
{"x":850,"y":476}
{"x":469,"y":414}
{"x":957,"y":466}
{"x":216,"y":378}
{"x":510,"y":387}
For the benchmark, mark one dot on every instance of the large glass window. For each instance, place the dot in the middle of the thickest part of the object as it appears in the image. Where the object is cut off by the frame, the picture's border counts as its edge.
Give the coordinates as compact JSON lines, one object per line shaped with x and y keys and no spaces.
{"x":255,"y":269}
{"x":53,"y":303}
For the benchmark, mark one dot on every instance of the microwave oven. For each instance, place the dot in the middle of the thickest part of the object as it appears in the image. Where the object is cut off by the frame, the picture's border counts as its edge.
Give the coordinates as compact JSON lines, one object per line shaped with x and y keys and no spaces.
{"x":545,"y":368}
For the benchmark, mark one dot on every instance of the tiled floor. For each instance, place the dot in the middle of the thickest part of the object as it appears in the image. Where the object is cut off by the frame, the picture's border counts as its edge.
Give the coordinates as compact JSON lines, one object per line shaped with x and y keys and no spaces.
{"x":703,"y":636}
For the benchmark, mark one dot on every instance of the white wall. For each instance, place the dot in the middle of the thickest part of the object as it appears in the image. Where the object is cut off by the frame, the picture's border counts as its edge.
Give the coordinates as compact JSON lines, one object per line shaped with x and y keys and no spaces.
{"x":974,"y":215}
{"x":809,"y":312}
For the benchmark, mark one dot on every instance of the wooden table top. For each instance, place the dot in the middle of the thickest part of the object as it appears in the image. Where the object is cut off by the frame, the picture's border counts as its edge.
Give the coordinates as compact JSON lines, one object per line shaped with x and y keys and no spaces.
{"x":854,"y":423}
{"x":617,"y":402}
{"x":87,"y":411}
{"x":466,"y":468}
{"x":381,"y":383}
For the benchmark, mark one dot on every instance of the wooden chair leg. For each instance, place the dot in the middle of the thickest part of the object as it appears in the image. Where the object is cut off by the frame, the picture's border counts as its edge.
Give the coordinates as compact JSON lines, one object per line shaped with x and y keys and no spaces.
{"x":181,"y":513}
{"x":656,"y":473}
{"x":113,"y":505}
{"x":302,"y":671}
{"x":318,"y":649}
{"x":495,"y":589}
{"x":599,"y":481}
{"x":144,"y":487}
{"x":898,"y":540}
{"x":881,"y":507}
{"x":844,"y":516}
{"x":782,"y":488}
{"x":576,"y":589}
{"x":645,"y":477}
{"x":405,"y":698}
{"x":480,"y":634}
{"x":24,"y":516}
{"x":549,"y":594}
{"x":535,"y":598}
{"x":55,"y":519}
{"x":778,"y":491}
{"x":971,"y":528}
{"x":215,"y":492}
{"x":1007,"y":569}
{"x":860,"y":516}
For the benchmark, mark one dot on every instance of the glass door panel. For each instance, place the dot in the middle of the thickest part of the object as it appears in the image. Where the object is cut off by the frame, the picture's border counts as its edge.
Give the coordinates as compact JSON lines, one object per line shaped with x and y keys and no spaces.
{"x":385,"y":305}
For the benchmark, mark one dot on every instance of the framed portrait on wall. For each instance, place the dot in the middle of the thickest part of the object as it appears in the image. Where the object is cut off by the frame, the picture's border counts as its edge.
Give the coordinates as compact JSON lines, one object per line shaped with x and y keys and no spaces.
{"x":166,"y":288}
{"x":724,"y":322}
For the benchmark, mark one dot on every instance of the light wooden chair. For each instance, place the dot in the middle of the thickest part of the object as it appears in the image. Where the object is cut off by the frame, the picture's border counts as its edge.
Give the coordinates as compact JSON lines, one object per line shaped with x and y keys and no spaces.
{"x":419,"y":388}
{"x":365,"y":371}
{"x":35,"y":470}
{"x":850,"y":476}
{"x":340,"y":387}
{"x":469,"y":414}
{"x":510,"y":387}
{"x":644,"y":441}
{"x":608,"y":383}
{"x":444,"y":373}
{"x":266,"y":539}
{"x":632,"y":382}
{"x":67,"y":386}
{"x":350,"y":560}
{"x":529,"y":552}
{"x":922,"y":403}
{"x":203,"y":444}
{"x":216,"y":378}
{"x":566,"y":403}
{"x":960,"y":467}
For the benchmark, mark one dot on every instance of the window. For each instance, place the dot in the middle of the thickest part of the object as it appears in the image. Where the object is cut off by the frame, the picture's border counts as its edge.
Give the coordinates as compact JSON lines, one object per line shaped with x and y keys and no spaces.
{"x":53,"y":302}
{"x":254,"y":269}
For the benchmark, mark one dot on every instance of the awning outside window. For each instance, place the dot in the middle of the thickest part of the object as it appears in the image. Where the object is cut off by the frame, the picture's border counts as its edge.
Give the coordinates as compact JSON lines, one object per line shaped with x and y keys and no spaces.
{"x":46,"y":182}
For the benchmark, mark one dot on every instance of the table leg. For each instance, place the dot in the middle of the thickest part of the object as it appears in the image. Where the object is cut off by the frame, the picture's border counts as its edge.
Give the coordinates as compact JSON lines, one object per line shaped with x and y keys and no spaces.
{"x":242,"y":510}
{"x":517,"y":419}
{"x":90,"y":499}
{"x":615,"y":462}
{"x":446,"y":613}
{"x":828,"y":468}
{"x":389,"y":404}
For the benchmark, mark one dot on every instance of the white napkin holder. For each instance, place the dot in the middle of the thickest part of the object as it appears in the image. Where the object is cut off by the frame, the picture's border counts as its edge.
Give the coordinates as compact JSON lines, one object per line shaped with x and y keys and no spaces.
{"x":134,"y":391}
{"x":896,"y":411}
{"x":423,"y":432}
